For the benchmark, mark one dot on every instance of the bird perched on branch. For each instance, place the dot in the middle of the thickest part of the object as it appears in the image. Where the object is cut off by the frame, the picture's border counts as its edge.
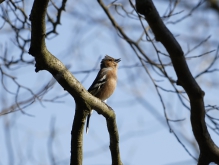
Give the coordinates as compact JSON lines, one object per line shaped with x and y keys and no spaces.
{"x":105,"y":82}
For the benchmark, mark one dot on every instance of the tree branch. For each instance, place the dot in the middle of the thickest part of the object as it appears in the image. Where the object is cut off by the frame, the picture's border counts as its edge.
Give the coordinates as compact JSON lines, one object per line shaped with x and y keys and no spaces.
{"x":77,"y":133}
{"x":209,"y":152}
{"x":84,"y":100}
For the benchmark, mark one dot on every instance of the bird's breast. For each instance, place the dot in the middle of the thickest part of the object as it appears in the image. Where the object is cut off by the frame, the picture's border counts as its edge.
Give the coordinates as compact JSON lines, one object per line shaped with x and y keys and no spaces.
{"x":107,"y":89}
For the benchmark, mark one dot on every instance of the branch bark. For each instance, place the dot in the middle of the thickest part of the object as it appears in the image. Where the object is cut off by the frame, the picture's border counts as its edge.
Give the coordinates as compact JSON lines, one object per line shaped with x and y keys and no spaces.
{"x":84,"y":100}
{"x":209,"y":152}
{"x":77,"y":133}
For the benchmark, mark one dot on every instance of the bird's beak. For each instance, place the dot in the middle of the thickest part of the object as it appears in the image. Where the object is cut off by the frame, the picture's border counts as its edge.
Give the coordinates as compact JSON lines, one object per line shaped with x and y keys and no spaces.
{"x":118,"y":60}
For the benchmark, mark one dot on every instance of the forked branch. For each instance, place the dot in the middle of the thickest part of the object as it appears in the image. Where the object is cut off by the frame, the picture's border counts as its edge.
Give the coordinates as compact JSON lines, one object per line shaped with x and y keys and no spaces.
{"x":84,"y":100}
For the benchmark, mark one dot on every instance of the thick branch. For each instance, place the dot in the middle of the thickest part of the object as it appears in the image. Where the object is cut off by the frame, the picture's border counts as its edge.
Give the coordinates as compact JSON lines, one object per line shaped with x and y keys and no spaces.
{"x":77,"y":133}
{"x":84,"y":100}
{"x":114,"y":139}
{"x":209,"y":152}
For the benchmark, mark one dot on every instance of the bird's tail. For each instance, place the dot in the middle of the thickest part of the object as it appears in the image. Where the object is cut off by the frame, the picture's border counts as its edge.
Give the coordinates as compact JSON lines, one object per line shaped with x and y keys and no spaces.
{"x":87,"y":125}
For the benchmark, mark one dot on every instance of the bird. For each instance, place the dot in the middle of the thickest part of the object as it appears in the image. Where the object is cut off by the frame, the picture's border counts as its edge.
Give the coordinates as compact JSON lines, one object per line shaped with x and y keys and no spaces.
{"x":105,"y":81}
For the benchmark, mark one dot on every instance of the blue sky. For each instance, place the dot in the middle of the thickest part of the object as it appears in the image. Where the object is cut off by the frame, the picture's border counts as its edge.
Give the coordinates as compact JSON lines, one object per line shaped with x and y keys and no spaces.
{"x":85,"y":36}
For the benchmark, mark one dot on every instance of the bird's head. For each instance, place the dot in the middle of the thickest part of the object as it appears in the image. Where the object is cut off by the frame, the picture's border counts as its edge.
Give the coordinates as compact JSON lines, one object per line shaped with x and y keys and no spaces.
{"x":108,"y":61}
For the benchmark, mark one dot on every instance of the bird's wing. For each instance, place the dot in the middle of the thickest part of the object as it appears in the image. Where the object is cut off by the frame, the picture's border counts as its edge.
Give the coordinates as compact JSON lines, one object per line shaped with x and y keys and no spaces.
{"x":98,"y":82}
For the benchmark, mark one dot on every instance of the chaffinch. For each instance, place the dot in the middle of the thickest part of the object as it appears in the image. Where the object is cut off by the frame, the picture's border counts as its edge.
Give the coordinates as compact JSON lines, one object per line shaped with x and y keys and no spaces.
{"x":105,"y":82}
